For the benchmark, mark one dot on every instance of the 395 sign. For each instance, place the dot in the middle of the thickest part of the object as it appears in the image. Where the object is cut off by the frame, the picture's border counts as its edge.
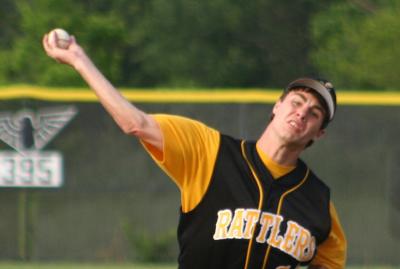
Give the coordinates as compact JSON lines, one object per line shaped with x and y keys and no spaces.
{"x":31,"y":169}
{"x":28,"y":132}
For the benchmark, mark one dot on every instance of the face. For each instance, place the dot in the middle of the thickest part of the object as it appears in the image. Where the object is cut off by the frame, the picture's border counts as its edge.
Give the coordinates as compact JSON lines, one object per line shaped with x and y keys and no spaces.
{"x":298,"y":118}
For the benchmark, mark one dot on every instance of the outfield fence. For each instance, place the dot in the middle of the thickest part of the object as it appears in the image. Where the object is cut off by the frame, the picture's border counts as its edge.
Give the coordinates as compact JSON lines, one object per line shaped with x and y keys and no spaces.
{"x":115,"y":205}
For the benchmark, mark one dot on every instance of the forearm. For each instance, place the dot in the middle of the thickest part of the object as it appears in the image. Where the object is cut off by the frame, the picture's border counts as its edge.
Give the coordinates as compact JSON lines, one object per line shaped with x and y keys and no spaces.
{"x":129,"y":118}
{"x":126,"y":115}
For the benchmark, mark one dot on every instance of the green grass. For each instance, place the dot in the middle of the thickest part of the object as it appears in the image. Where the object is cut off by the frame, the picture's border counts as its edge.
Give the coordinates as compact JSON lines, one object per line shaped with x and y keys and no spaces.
{"x":18,"y":265}
{"x":370,"y":267}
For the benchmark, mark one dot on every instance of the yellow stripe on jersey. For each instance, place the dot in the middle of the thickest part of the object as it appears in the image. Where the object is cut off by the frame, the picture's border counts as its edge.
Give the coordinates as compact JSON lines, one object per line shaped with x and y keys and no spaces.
{"x":189,"y":153}
{"x":274,"y":168}
{"x":332,"y":252}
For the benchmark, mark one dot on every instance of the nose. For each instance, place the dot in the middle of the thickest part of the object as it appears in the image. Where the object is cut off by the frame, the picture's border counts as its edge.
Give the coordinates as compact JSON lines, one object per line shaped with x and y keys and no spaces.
{"x":302,"y":113}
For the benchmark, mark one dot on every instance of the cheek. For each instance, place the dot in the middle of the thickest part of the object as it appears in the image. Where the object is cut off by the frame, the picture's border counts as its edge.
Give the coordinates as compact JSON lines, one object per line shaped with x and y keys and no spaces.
{"x":281,"y":115}
{"x":315,"y":130}
{"x":283,"y":111}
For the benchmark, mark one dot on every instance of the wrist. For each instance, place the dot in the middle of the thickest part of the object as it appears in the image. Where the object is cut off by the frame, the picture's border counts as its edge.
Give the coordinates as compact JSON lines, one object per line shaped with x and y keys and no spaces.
{"x":81,"y":62}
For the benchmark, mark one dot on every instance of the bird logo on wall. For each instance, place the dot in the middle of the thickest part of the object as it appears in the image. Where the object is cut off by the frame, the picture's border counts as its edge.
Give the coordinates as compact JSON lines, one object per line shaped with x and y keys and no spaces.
{"x":26,"y":130}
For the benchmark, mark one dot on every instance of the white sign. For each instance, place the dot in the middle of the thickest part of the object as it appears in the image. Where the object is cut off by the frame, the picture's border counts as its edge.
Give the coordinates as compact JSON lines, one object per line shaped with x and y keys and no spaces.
{"x":31,"y":169}
{"x":40,"y":127}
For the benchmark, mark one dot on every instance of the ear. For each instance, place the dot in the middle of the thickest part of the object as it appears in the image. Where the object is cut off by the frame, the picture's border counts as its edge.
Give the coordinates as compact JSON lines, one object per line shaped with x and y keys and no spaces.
{"x":276,"y":106}
{"x":321,"y":133}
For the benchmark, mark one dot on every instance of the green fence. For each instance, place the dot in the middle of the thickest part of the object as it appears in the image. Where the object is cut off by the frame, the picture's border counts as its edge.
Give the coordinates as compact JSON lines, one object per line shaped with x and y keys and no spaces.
{"x":116,"y":205}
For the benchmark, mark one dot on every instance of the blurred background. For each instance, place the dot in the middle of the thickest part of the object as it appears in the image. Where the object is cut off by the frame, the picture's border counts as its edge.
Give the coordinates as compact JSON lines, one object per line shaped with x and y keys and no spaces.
{"x":115,"y":205}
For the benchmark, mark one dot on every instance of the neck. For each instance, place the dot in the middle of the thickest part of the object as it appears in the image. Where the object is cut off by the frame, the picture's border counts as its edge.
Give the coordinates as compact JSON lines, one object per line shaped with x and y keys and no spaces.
{"x":280,"y":152}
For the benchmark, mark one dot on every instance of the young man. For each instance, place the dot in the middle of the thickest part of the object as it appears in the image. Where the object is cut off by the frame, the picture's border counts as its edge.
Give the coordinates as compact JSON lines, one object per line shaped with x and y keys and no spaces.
{"x":245,"y":204}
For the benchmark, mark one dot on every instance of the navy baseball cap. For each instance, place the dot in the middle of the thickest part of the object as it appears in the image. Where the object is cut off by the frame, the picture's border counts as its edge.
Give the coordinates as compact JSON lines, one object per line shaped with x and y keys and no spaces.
{"x":322,"y":87}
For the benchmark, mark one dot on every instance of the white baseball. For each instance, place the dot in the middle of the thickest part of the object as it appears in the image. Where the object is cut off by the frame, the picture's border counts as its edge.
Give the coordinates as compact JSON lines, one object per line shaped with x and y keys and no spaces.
{"x":63,"y":38}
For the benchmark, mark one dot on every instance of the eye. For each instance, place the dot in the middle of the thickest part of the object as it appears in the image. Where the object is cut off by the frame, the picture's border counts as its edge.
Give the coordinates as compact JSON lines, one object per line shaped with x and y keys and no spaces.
{"x":296,"y":103}
{"x":316,"y":113}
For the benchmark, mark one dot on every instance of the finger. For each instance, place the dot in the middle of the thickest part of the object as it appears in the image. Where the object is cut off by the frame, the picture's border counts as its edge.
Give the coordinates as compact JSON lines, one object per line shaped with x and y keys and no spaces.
{"x":48,"y":48}
{"x":48,"y":43}
{"x":52,"y":40}
{"x":72,"y":41}
{"x":45,"y":41}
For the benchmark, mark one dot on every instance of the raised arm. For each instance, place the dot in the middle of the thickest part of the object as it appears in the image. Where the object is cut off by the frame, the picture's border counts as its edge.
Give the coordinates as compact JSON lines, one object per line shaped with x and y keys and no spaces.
{"x":128,"y":117}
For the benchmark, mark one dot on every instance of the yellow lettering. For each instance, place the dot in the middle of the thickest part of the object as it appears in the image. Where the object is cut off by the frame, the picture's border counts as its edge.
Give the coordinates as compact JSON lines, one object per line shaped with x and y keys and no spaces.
{"x":302,"y":243}
{"x":290,"y":236}
{"x":221,"y":227}
{"x":309,"y":251}
{"x":251,"y":218}
{"x":236,"y":229}
{"x":266,"y":222}
{"x":275,"y":239}
{"x":297,"y":241}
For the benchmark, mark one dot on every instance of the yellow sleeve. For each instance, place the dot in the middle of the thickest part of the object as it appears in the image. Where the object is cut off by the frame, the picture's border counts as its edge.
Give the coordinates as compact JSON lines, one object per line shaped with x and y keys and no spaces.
{"x":189,"y":152}
{"x":332,"y":252}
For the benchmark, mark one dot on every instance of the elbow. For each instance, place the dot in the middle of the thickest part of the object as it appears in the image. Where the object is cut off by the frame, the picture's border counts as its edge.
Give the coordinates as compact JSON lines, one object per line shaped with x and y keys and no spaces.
{"x":131,"y":129}
{"x":133,"y":126}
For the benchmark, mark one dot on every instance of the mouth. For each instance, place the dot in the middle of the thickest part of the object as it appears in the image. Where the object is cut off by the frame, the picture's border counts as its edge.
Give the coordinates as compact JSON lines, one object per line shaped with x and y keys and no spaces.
{"x":296,"y":125}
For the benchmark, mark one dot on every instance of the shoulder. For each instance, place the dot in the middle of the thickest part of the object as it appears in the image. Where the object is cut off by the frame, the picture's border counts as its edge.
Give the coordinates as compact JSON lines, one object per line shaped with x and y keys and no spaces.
{"x":316,"y":181}
{"x":174,"y":122}
{"x":230,"y":143}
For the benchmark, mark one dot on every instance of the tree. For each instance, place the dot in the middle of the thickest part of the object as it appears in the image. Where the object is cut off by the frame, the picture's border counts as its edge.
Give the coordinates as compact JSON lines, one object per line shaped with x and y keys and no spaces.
{"x":223,"y":43}
{"x":24,"y":61}
{"x":355,"y":44}
{"x":155,"y":43}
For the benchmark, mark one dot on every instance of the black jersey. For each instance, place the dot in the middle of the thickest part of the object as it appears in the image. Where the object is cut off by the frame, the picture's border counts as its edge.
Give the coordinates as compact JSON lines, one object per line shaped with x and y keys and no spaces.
{"x":247,"y":219}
